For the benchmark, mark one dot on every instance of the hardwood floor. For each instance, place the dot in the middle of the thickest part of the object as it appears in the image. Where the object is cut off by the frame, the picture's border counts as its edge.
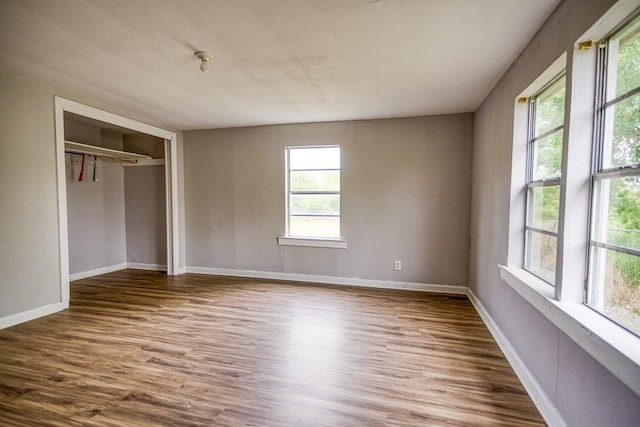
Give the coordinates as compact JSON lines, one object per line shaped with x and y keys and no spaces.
{"x":141,"y":348}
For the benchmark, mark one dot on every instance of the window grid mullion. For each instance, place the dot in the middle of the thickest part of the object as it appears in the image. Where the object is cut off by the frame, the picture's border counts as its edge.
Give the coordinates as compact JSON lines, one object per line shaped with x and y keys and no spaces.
{"x":315,"y":170}
{"x":547,"y":182}
{"x":547,"y":133}
{"x":617,"y":248}
{"x":633,"y":170}
{"x":317,"y":215}
{"x":622,"y":97}
{"x":319,"y":193}
{"x":541,"y":231}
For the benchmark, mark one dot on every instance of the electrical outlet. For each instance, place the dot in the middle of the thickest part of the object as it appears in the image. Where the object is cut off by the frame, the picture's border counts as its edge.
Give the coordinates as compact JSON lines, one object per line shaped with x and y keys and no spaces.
{"x":398,"y":265}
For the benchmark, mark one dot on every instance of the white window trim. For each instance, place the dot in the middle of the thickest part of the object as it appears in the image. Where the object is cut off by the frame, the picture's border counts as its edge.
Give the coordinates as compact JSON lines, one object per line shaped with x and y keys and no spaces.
{"x":614,"y":347}
{"x":312,"y":242}
{"x":308,"y":241}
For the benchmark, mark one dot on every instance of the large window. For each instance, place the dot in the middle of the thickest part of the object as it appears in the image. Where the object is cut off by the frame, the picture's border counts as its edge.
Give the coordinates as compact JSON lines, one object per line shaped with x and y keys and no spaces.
{"x":614,"y":276}
{"x":544,"y":161}
{"x":313,"y":192}
{"x":575,"y":193}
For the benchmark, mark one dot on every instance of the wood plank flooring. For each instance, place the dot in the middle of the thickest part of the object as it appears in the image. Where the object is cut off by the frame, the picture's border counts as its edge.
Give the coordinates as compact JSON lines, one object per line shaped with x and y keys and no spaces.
{"x":142,"y":348}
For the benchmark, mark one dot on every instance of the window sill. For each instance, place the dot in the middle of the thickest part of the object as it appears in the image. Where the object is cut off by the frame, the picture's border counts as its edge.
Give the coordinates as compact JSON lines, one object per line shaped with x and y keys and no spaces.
{"x":312,"y":242}
{"x":614,"y":347}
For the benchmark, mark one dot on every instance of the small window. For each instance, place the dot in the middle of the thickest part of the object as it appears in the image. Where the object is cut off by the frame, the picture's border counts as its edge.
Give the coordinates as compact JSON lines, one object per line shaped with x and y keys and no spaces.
{"x":544,"y":163}
{"x":614,"y":274}
{"x":313,"y":192}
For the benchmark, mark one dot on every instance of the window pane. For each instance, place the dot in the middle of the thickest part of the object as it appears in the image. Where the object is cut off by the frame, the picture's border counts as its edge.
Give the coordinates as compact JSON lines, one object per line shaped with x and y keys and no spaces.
{"x":627,"y":75}
{"x":314,"y":158}
{"x":541,"y":256}
{"x":544,"y":205}
{"x":617,"y":219}
{"x":550,"y":107}
{"x":314,"y":170}
{"x":622,"y":133}
{"x":315,"y":181}
{"x":314,"y":204}
{"x":615,"y":286}
{"x":547,"y":156}
{"x":302,"y":226}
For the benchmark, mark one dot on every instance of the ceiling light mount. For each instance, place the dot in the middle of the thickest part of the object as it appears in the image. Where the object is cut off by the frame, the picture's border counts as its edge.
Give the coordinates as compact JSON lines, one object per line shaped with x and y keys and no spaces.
{"x":204,"y":57}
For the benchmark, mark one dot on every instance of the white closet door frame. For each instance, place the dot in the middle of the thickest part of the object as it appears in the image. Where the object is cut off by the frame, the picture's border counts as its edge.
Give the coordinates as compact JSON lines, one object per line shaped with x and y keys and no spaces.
{"x":63,"y":105}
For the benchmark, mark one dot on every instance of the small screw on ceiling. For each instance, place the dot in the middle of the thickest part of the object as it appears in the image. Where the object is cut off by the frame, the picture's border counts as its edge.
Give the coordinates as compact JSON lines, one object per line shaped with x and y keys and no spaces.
{"x":204,"y":57}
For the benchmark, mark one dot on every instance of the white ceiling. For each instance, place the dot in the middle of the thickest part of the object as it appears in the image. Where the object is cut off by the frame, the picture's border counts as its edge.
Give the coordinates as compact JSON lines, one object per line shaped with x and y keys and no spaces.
{"x":276,"y":61}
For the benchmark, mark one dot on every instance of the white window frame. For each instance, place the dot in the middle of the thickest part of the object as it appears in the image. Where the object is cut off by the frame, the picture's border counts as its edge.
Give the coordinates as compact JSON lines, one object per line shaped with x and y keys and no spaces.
{"x":308,"y":241}
{"x":532,"y":139}
{"x":603,"y":134}
{"x":613,"y":346}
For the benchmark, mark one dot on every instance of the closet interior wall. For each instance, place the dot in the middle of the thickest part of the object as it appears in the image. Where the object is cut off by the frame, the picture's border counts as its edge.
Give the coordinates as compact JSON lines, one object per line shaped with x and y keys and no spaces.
{"x":145,"y":204}
{"x":95,"y":209}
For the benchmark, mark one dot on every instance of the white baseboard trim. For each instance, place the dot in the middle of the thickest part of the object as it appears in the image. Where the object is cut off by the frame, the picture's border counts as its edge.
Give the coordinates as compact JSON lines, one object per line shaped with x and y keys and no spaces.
{"x":142,"y":266}
{"x":97,"y":271}
{"x":537,"y":394}
{"x":25,"y":316}
{"x":330,"y":280}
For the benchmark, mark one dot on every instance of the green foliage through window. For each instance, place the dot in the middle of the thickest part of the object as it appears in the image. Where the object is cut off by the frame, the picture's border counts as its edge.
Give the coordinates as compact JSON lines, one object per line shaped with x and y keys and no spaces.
{"x":614,"y":283}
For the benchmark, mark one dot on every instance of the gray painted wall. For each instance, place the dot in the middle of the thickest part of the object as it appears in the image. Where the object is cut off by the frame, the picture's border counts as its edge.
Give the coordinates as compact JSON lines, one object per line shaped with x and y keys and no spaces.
{"x":95,"y":210}
{"x":144,"y":144}
{"x":29,"y":249}
{"x":96,"y":219}
{"x":145,"y":206}
{"x":405,"y":196}
{"x":145,"y":203}
{"x":585,"y":393}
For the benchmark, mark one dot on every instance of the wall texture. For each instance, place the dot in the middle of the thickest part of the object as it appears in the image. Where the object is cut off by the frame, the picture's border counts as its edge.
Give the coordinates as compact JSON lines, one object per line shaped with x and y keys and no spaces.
{"x":96,"y":218}
{"x":29,"y":249}
{"x":145,"y":207}
{"x":144,"y":144}
{"x":585,"y":393}
{"x":95,"y":210}
{"x":405,"y":196}
{"x":145,"y":203}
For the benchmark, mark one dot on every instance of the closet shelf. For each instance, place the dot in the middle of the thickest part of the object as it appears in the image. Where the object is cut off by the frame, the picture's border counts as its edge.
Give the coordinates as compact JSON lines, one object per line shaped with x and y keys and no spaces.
{"x":144,"y":162}
{"x":78,"y":148}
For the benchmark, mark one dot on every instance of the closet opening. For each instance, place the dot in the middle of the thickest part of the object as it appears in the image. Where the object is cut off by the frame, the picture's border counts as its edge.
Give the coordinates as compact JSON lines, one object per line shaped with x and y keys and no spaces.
{"x":117,"y":194}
